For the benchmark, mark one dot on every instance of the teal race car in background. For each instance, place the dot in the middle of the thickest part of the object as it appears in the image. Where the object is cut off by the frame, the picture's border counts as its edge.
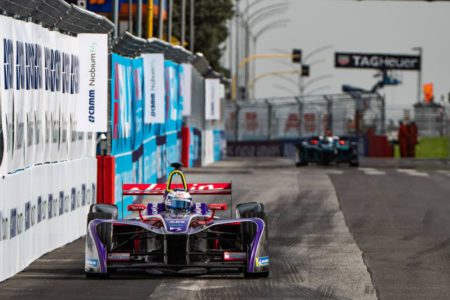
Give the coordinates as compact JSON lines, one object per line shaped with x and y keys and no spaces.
{"x":325,"y":150}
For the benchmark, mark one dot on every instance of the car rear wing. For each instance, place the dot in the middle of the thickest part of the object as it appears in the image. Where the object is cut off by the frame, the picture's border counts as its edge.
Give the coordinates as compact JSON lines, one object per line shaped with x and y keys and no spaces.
{"x":217,"y":188}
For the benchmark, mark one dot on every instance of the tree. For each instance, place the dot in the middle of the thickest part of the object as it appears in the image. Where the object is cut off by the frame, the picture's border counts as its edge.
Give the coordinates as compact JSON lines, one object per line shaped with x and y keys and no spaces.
{"x":211,"y":29}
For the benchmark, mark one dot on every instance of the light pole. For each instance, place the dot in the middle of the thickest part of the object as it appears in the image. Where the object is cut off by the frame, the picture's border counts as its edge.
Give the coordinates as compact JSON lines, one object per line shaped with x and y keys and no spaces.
{"x":160,"y":20}
{"x":116,"y":18}
{"x":192,"y":26}
{"x":183,"y":22}
{"x":130,"y":16}
{"x":238,"y":24}
{"x":268,"y":27}
{"x":169,"y":21}
{"x":249,"y":21}
{"x":139,"y":18}
{"x":419,"y":75}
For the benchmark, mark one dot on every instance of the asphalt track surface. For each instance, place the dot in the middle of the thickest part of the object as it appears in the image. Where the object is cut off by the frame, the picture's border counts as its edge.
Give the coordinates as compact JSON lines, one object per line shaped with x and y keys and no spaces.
{"x":335,"y":233}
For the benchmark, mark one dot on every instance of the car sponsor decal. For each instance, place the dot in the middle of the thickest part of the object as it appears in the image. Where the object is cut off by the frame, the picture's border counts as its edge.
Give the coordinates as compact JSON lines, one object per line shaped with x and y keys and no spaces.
{"x":233,"y":256}
{"x":262,"y":261}
{"x":177,"y":225}
{"x":119,"y":256}
{"x":92,"y":262}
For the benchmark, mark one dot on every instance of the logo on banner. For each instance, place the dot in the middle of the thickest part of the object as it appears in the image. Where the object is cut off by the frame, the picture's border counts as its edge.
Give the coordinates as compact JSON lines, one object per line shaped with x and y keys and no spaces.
{"x":343,"y":60}
{"x":93,"y":67}
{"x":92,"y":82}
{"x":377,"y":61}
{"x":154,"y":86}
{"x":8,"y":63}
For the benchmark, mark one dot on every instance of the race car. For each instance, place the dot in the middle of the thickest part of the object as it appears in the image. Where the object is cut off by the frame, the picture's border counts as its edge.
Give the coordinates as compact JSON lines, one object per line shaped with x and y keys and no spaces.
{"x":177,"y":235}
{"x":327,"y":149}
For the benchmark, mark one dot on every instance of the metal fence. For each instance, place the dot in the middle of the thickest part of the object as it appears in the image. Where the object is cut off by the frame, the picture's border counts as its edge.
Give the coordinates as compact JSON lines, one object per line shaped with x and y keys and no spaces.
{"x":293,"y":118}
{"x":432,"y":119}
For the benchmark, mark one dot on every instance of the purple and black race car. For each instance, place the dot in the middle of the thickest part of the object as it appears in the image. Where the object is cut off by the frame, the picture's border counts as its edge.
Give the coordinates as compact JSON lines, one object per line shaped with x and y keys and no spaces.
{"x":177,"y":236}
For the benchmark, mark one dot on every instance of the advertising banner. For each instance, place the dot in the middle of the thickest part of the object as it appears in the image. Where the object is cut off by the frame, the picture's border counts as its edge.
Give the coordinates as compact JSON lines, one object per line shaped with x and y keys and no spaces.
{"x":174,"y":106}
{"x":121,"y":104}
{"x":186,"y":88}
{"x":174,"y":118}
{"x":195,"y":148}
{"x":212,"y":99}
{"x":253,"y":123}
{"x":154,"y":86}
{"x":92,"y":104}
{"x":138,"y":126}
{"x":351,"y":60}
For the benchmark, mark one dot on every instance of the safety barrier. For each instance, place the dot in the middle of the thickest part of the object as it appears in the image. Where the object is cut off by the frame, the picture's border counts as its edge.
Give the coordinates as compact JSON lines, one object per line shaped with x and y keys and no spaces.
{"x":165,"y":105}
{"x":48,"y":167}
{"x":42,"y":208}
{"x":141,"y":148}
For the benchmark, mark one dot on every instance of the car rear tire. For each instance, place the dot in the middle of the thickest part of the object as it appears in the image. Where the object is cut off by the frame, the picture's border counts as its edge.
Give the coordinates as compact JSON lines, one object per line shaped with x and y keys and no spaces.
{"x":97,"y":275}
{"x":300,"y":162}
{"x":354,"y":160}
{"x":256,"y":275}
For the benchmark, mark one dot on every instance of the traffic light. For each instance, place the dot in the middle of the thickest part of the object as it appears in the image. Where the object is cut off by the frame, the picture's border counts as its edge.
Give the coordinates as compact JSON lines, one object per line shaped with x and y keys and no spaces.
{"x":305,"y":71}
{"x":296,"y":56}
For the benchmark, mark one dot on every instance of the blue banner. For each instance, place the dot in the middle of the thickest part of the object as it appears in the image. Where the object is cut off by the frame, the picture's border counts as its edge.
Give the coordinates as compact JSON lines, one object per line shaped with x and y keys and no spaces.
{"x":143,"y":151}
{"x":195,"y":147}
{"x":121,"y":104}
{"x":219,"y":146}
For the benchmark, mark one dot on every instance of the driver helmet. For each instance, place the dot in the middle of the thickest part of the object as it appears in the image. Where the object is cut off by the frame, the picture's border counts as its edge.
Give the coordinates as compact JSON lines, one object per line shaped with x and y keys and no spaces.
{"x":178,"y":201}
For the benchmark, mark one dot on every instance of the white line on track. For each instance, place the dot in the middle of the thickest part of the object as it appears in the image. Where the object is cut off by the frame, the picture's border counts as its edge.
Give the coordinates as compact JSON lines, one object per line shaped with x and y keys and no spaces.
{"x":444,"y":172}
{"x":334,"y":172}
{"x":371,"y":171}
{"x":413,"y":172}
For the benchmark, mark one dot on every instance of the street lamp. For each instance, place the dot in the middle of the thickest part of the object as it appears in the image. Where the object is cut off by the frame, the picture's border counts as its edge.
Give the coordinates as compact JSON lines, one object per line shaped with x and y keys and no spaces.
{"x":252,"y":20}
{"x":419,"y":75}
{"x":271,"y":26}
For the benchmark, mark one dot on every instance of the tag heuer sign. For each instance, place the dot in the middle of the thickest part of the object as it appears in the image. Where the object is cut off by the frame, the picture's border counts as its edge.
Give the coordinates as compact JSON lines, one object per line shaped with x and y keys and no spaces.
{"x":377,"y":61}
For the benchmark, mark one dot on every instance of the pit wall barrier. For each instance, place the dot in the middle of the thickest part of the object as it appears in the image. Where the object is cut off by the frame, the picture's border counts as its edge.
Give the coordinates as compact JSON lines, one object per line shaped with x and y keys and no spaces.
{"x":42,"y":208}
{"x":47,"y":168}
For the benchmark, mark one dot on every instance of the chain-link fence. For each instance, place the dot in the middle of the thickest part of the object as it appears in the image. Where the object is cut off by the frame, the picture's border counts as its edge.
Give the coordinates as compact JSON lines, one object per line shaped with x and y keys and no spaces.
{"x":293,"y":118}
{"x":432,"y":119}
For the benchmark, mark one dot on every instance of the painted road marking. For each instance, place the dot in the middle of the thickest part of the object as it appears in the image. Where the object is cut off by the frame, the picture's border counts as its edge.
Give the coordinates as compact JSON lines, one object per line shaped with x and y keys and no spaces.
{"x":443,"y":172}
{"x":412,"y":172}
{"x":334,"y":172}
{"x":371,"y":171}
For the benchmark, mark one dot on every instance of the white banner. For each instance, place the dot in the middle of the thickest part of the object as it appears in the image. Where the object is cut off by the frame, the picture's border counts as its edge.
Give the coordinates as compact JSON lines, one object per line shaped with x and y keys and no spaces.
{"x":92,"y":105}
{"x":212,"y":99}
{"x":49,"y":213}
{"x":154,"y":87}
{"x":186,"y":88}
